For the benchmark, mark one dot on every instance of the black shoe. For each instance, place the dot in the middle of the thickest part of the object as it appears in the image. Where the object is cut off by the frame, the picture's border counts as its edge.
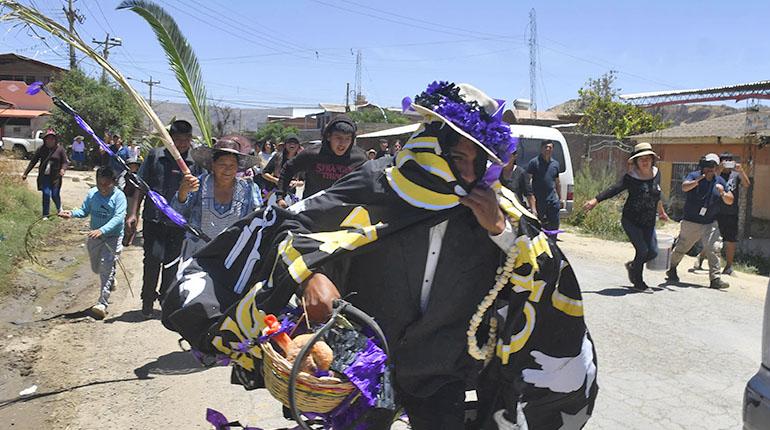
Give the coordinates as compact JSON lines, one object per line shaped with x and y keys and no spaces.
{"x":641,"y":286}
{"x":728,"y":270}
{"x":718,"y":284}
{"x":671,"y":275}
{"x":147,"y":309}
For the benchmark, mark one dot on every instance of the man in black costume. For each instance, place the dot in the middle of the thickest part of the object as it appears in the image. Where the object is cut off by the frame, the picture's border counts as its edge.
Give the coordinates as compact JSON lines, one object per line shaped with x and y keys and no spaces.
{"x":421,"y":238}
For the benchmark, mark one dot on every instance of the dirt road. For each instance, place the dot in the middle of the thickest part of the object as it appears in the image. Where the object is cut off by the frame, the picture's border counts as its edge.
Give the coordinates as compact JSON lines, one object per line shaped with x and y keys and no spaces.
{"x":129,"y":373}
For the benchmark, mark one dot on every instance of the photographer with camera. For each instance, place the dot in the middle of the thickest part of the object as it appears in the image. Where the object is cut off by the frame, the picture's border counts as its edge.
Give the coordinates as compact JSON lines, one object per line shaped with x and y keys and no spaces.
{"x":727,"y":219}
{"x":705,"y":192}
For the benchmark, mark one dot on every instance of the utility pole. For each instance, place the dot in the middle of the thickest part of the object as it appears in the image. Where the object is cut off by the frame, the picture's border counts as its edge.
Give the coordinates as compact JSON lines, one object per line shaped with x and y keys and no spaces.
{"x":150,"y":84}
{"x":109,"y":42}
{"x":532,"y":64}
{"x":72,"y":16}
{"x":347,"y":97}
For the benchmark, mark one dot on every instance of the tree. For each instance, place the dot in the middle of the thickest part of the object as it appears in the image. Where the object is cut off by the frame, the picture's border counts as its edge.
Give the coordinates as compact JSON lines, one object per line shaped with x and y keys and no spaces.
{"x":603,"y":113}
{"x":221,"y":118}
{"x":376,"y":116}
{"x":104,"y":108}
{"x":274,"y":131}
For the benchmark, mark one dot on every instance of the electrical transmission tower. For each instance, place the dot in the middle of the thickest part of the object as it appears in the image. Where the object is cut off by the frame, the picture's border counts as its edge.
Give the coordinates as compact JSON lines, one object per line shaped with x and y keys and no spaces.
{"x":109,"y":42}
{"x":360,"y":98}
{"x":72,"y":16}
{"x":532,"y":63}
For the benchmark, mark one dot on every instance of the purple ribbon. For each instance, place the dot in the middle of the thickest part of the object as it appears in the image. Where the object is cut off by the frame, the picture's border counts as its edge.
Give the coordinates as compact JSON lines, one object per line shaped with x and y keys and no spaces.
{"x":552,"y":232}
{"x":35,"y":88}
{"x":164,"y":207}
{"x":220,"y":422}
{"x":87,"y":128}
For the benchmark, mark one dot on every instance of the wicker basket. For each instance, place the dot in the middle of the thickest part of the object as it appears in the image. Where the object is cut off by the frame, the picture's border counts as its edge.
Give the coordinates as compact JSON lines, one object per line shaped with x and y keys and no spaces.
{"x":313,"y":394}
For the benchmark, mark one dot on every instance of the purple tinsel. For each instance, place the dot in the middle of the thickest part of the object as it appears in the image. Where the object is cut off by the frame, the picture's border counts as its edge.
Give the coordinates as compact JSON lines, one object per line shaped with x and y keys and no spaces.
{"x":365,"y":371}
{"x":164,"y":207}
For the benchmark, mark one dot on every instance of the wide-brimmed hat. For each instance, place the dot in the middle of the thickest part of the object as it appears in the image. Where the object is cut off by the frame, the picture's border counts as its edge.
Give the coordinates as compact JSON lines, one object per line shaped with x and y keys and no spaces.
{"x":470,"y":112}
{"x":204,"y":155}
{"x":642,"y":149}
{"x":50,"y":132}
{"x":79,"y":137}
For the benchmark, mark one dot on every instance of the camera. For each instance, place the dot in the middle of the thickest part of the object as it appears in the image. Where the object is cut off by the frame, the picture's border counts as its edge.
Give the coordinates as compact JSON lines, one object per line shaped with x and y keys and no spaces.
{"x":728,"y":164}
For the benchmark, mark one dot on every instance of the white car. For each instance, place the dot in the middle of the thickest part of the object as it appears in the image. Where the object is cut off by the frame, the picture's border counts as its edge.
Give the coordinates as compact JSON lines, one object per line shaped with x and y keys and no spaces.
{"x":530,"y":137}
{"x":756,"y":397}
{"x":22,"y":147}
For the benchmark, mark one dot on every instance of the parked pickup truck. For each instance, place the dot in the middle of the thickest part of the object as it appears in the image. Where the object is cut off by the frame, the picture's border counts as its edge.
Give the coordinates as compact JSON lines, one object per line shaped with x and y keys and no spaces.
{"x":21,"y":147}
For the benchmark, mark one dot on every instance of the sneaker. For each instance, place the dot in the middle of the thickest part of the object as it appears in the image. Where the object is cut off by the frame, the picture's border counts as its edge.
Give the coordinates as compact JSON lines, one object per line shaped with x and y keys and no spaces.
{"x":99,"y":311}
{"x":147,"y":309}
{"x":629,"y":268}
{"x":671,"y":275}
{"x":718,"y":284}
{"x":728,"y":270}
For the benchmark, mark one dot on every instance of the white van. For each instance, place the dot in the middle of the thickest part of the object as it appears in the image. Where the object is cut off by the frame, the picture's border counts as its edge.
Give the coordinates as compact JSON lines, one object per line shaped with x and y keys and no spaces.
{"x":530,"y":137}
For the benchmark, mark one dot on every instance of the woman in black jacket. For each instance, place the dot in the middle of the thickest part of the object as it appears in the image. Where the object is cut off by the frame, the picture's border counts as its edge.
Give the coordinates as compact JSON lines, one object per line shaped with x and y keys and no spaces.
{"x":639,"y":213}
{"x":53,"y":163}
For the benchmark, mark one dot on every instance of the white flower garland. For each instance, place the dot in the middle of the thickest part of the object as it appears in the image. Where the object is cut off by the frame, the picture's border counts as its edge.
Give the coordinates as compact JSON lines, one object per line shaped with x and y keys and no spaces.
{"x":504,"y":274}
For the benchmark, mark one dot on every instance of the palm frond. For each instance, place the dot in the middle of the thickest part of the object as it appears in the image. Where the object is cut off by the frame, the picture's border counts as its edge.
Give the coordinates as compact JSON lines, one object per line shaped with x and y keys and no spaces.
{"x":181,"y":58}
{"x":32,"y":17}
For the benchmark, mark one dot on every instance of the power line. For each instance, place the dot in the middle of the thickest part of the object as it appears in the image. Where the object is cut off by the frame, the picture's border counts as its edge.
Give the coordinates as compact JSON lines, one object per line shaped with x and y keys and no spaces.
{"x":109,"y":43}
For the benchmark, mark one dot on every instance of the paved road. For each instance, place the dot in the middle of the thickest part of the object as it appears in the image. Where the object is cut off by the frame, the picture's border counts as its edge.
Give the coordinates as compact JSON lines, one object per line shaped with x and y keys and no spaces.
{"x":675,"y":358}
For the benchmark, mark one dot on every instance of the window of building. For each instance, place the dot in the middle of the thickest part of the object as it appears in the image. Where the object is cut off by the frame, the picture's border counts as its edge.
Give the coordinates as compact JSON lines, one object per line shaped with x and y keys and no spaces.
{"x":676,"y":202}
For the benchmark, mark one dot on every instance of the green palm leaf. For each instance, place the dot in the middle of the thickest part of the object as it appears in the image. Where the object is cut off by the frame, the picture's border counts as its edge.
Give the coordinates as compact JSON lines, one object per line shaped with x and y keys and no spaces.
{"x":13,"y":11}
{"x":181,"y":58}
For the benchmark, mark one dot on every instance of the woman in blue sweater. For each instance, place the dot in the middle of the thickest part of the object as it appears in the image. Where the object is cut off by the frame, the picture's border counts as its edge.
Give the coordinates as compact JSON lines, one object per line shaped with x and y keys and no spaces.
{"x":106,"y":205}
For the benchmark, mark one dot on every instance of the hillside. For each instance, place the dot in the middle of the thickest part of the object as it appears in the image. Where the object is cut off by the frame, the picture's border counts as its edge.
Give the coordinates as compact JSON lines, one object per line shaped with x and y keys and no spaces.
{"x":677,"y":114}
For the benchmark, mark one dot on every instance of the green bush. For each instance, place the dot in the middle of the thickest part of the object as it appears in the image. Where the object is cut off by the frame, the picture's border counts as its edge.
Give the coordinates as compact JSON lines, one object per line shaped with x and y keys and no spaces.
{"x":604,"y":220}
{"x":19,"y":207}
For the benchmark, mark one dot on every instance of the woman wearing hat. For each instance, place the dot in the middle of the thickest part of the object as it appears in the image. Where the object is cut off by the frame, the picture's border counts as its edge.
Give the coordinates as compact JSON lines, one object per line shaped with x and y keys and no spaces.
{"x":639,"y":213}
{"x":78,"y":152}
{"x":221,"y":197}
{"x":53,"y":163}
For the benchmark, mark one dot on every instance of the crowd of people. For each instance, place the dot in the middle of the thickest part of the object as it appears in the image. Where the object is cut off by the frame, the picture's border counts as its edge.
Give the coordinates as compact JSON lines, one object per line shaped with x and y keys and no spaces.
{"x":400,"y":190}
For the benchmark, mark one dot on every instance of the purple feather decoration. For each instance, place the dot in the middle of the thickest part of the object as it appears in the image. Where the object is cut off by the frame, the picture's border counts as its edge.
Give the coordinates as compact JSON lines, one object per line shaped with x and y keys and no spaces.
{"x":490,"y":130}
{"x":492,"y":174}
{"x":164,"y":207}
{"x":406,"y":104}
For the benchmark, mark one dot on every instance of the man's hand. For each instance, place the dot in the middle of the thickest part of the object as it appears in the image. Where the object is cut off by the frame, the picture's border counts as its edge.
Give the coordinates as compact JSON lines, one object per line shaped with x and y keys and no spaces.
{"x":281,"y":203}
{"x":738,"y":167}
{"x":720,"y":188}
{"x":65,"y":214}
{"x":95,"y":234}
{"x":483,"y":203}
{"x":131,"y":221}
{"x":320,"y":293}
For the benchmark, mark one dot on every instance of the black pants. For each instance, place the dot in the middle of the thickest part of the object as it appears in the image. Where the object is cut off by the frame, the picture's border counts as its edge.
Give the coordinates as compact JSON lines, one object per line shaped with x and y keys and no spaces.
{"x":162,"y":245}
{"x":443,"y":410}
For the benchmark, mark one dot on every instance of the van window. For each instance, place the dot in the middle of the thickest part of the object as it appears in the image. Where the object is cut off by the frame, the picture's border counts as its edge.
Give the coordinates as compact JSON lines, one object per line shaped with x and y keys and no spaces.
{"x":530,"y":148}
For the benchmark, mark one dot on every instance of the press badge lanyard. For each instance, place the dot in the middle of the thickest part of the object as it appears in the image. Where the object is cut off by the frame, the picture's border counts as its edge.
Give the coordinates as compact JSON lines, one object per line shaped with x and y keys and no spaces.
{"x":707,"y":198}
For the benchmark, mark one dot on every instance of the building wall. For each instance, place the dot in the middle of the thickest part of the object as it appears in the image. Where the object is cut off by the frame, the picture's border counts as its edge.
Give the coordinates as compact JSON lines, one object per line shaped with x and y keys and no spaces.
{"x":25,"y":71}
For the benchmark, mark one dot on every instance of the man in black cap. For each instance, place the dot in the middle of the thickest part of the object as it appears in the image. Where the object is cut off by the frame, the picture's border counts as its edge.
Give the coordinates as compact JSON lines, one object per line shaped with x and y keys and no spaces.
{"x":162,"y":238}
{"x":326,"y":162}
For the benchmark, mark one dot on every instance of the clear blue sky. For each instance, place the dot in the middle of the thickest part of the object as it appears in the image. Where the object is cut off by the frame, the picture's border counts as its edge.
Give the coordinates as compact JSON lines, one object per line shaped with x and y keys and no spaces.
{"x":275,"y":53}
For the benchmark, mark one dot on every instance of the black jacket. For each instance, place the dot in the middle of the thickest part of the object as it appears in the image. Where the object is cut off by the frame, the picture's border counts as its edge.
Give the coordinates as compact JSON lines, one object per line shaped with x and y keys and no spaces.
{"x":322,"y":167}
